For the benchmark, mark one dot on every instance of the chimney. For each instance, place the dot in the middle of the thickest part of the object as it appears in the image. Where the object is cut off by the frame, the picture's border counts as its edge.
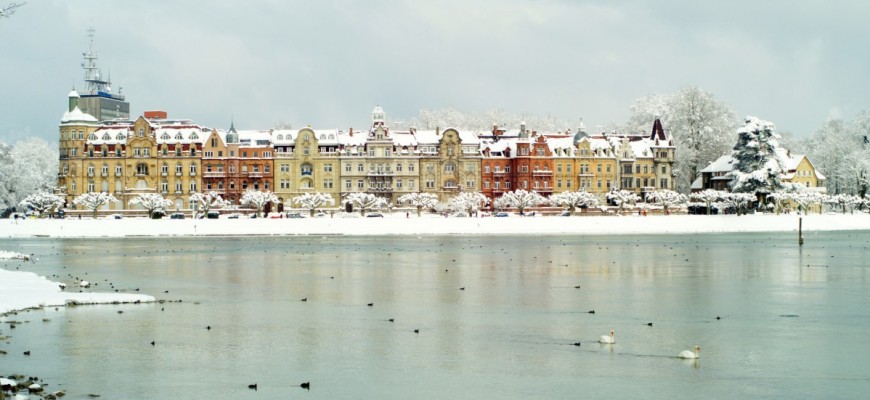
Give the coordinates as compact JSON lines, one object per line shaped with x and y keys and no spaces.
{"x":155,"y":114}
{"x":494,"y":128}
{"x":351,"y":132}
{"x":437,"y":131}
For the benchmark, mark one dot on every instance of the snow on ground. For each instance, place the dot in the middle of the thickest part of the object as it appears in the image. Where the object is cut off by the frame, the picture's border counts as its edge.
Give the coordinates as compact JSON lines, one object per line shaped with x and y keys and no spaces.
{"x":398,"y":224}
{"x":11,"y":255}
{"x":20,"y":290}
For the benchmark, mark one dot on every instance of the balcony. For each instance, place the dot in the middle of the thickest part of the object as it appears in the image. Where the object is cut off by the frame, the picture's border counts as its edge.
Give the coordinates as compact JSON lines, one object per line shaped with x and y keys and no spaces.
{"x":164,"y":173}
{"x":379,"y":173}
{"x":104,"y":174}
{"x":177,"y":173}
{"x":90,"y":174}
{"x":213,"y":175}
{"x":192,"y":173}
{"x":500,"y":173}
{"x":542,"y":173}
{"x":118,"y":173}
{"x":256,"y":174}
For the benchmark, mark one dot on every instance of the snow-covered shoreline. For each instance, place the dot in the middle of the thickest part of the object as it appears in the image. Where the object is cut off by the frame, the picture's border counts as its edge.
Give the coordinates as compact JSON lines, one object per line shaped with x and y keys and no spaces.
{"x":21,"y":290}
{"x":398,"y":224}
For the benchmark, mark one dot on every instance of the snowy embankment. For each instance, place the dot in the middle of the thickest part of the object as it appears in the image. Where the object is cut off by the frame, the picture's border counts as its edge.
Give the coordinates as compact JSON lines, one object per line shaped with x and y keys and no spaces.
{"x":398,"y":224}
{"x":21,"y":290}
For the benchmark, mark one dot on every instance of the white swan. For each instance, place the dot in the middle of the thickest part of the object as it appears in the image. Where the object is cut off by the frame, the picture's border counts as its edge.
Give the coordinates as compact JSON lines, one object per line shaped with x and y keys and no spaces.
{"x":690,"y":354}
{"x":607,"y":339}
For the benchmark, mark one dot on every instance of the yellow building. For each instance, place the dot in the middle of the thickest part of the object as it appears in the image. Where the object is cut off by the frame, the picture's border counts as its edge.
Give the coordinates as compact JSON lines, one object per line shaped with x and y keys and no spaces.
{"x":306,"y":161}
{"x":800,"y":170}
{"x":75,"y":128}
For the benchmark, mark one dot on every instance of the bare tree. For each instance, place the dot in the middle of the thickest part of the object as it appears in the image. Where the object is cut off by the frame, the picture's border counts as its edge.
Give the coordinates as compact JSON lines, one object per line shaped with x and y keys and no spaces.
{"x":9,"y":9}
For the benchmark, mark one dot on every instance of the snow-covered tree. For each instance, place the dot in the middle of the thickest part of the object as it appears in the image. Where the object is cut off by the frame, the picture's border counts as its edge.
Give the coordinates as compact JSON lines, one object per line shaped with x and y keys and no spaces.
{"x":419,"y":200}
{"x":702,"y":128}
{"x":258,"y":200}
{"x":365,"y":201}
{"x":622,"y":197}
{"x":9,"y":9}
{"x":310,"y":201}
{"x":470,"y":202}
{"x":153,"y":202}
{"x":42,"y":202}
{"x":758,"y":166}
{"x":840,"y":150}
{"x":206,"y":201}
{"x":93,"y":201}
{"x":807,"y":199}
{"x":740,"y":202}
{"x":667,"y":199}
{"x":28,"y":167}
{"x":708,"y":197}
{"x":483,"y":121}
{"x":780,"y":199}
{"x":844,"y":202}
{"x":573,"y":200}
{"x":520,"y":199}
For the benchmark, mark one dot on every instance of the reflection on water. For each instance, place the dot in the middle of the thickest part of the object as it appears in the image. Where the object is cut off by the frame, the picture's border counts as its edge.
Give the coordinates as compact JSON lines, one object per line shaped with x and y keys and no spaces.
{"x":508,"y":334}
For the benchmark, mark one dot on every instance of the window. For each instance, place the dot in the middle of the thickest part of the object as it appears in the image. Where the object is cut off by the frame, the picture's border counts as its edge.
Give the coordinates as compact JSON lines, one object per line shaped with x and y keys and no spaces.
{"x":141,"y":169}
{"x":327,"y":167}
{"x":347,"y":184}
{"x":118,"y":170}
{"x":192,"y":187}
{"x":449,"y":167}
{"x":430,"y":184}
{"x":178,"y":151}
{"x":192,"y":169}
{"x":90,"y":170}
{"x":664,"y":169}
{"x":178,"y":169}
{"x":118,"y":151}
{"x":558,"y":183}
{"x":507,"y":169}
{"x":507,"y":185}
{"x":411,"y":184}
{"x":359,"y":167}
{"x":359,"y":184}
{"x":141,"y":132}
{"x":469,"y":184}
{"x":599,"y":167}
{"x":105,"y":170}
{"x":399,"y":167}
{"x":568,"y":184}
{"x":387,"y":153}
{"x":486,"y":184}
{"x":398,"y":184}
{"x":664,"y":183}
{"x":497,"y":185}
{"x":178,"y":187}
{"x":486,"y":169}
{"x":536,"y":184}
{"x":371,"y":152}
{"x":266,"y":185}
{"x":209,"y":154}
{"x":306,"y":169}
{"x":266,"y":169}
{"x":284,"y":167}
{"x":327,"y":183}
{"x":410,"y":167}
{"x":164,"y":187}
{"x":90,"y":186}
{"x":558,"y":167}
{"x":347,"y":167}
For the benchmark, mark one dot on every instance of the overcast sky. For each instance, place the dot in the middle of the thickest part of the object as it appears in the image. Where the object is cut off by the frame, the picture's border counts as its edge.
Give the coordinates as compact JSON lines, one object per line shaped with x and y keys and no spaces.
{"x":328,"y":63}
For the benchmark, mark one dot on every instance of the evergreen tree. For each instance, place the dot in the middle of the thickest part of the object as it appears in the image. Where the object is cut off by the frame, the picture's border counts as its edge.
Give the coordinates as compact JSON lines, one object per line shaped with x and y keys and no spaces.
{"x":758,"y":166}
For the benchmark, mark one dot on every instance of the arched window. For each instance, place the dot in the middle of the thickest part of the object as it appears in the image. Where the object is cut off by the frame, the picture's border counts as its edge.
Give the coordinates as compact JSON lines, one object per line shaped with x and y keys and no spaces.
{"x":449,"y":167}
{"x":331,"y":137}
{"x":306,"y":169}
{"x":280,"y":137}
{"x":322,"y":137}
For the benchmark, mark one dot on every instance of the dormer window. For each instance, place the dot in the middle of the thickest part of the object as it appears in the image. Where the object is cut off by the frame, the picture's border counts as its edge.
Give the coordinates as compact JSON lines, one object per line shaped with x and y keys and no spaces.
{"x":92,"y":137}
{"x":193,"y":136}
{"x":106,"y":136}
{"x":165,"y":136}
{"x":178,"y":136}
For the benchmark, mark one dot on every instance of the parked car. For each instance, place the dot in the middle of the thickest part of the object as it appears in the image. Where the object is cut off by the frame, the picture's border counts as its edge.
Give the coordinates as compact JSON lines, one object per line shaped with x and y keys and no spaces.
{"x":176,"y":216}
{"x":213,"y":215}
{"x":349,"y":215}
{"x":275,"y":215}
{"x":501,"y":214}
{"x":321,"y":215}
{"x":460,"y":215}
{"x":295,"y":215}
{"x":116,"y":216}
{"x":234,"y":216}
{"x":374,"y":215}
{"x":565,"y":213}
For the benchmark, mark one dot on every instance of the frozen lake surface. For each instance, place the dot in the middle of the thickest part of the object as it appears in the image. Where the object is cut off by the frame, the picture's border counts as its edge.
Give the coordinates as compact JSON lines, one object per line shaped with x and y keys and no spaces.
{"x":793,"y":321}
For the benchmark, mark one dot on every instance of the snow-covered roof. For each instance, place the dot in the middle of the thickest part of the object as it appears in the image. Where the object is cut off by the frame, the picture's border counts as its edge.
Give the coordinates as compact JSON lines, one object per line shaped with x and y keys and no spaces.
{"x":427,"y":137}
{"x":355,"y":139}
{"x":180,"y":134}
{"x":641,"y":148}
{"x":468,"y":137}
{"x":402,"y":139}
{"x":109,"y":135}
{"x":73,"y":93}
{"x":255,"y":138}
{"x":697,"y":184}
{"x":76,"y":115}
{"x":722,"y":164}
{"x":564,"y":143}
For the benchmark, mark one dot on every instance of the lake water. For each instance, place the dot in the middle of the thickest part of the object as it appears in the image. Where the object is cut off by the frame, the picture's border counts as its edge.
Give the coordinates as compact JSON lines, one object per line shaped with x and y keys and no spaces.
{"x":794,"y":322}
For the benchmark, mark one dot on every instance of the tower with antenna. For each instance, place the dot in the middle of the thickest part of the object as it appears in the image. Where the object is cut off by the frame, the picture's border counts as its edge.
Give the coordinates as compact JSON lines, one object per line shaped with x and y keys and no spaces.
{"x":98,"y":99}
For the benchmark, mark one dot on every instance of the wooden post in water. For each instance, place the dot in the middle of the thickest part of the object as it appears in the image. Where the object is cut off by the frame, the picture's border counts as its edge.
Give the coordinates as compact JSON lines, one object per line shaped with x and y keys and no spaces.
{"x":800,"y":232}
